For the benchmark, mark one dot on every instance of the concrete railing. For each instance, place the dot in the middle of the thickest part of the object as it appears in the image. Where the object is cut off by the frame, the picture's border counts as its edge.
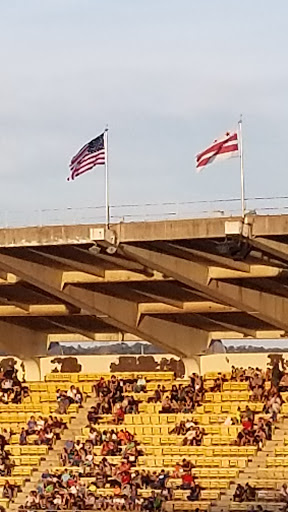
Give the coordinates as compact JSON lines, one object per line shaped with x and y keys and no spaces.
{"x":142,"y":212}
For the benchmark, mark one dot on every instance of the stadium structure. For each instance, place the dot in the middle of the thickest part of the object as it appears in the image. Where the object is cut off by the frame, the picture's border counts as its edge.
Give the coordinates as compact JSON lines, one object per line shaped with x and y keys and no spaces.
{"x":180,"y":430}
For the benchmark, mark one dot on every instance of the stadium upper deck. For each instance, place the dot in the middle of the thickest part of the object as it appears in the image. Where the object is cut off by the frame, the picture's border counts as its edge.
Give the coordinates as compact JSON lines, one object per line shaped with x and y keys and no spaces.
{"x":175,"y":283}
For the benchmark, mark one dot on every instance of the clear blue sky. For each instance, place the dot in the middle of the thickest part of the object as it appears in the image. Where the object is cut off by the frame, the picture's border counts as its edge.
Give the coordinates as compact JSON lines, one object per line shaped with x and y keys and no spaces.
{"x":167,"y":76}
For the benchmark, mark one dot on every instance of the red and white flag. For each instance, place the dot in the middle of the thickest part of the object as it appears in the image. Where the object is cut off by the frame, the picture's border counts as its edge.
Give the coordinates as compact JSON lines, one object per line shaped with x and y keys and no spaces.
{"x":226,"y":147}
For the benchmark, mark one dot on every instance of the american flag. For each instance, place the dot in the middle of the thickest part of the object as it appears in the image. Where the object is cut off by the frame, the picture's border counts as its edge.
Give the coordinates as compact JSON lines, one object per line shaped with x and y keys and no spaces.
{"x":226,"y":147}
{"x":91,"y":154}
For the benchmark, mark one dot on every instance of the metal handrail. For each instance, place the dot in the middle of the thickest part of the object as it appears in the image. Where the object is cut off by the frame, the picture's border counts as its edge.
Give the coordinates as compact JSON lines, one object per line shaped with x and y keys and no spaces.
{"x":142,"y":212}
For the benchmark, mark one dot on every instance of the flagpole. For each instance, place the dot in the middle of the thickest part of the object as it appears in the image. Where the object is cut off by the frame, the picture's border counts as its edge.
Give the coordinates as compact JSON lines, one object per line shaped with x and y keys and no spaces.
{"x":241,"y":167}
{"x":107,"y":207}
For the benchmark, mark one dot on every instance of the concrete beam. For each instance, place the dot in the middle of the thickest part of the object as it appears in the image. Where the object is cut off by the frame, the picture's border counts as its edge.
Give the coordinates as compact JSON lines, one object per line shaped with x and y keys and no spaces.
{"x":220,"y":267}
{"x":34,"y":310}
{"x":21,"y":341}
{"x":256,"y":271}
{"x":108,"y":260}
{"x":179,"y":339}
{"x":211,"y":258}
{"x":119,"y":313}
{"x":158,"y":308}
{"x":271,"y":248}
{"x":218,"y":324}
{"x":82,"y":266}
{"x":71,"y":329}
{"x":269,"y":308}
{"x":183,"y":229}
{"x":259,"y":335}
{"x":110,"y":276}
{"x":83,"y":272}
{"x":162,"y":300}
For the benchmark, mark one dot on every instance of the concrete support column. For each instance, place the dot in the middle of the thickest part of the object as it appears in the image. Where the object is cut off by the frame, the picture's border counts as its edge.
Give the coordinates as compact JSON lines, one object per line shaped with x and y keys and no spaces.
{"x":192,"y":365}
{"x":32,"y":369}
{"x":19,"y":341}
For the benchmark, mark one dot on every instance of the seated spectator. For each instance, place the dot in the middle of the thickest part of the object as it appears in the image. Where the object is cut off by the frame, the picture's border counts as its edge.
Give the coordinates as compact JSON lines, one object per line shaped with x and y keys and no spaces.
{"x":23,"y":437}
{"x":92,"y":416}
{"x":9,"y":491}
{"x":187,"y":480}
{"x":157,"y":397}
{"x":166,"y":405}
{"x":239,"y":493}
{"x":31,"y":501}
{"x":249,"y":492}
{"x":71,"y":394}
{"x":63,"y":402}
{"x":79,"y":397}
{"x":31,"y":426}
{"x":140,"y":384}
{"x":119,"y":414}
{"x":180,"y":429}
{"x":217,"y":386}
{"x":195,"y":492}
{"x":284,"y":493}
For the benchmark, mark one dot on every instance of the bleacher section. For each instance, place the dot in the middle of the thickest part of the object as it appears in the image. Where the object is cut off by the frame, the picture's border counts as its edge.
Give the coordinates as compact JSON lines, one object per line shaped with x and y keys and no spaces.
{"x":218,"y":463}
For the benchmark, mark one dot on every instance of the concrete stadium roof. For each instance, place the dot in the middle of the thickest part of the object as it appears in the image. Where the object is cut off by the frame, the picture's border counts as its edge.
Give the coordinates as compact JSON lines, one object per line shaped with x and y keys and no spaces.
{"x":177,"y":284}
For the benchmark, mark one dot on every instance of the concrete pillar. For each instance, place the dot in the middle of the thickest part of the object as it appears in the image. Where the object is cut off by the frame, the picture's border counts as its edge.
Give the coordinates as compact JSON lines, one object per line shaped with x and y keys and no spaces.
{"x":192,"y":365}
{"x":22,"y":342}
{"x":32,"y":369}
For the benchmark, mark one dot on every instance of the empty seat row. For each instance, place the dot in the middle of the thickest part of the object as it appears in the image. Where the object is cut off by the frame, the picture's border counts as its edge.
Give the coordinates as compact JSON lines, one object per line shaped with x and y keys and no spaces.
{"x":277,"y":461}
{"x":40,"y":450}
{"x":180,"y":505}
{"x":242,"y":507}
{"x":157,"y":419}
{"x":215,"y":375}
{"x":235,"y":386}
{"x":27,"y":460}
{"x":225,"y":451}
{"x":227,"y":396}
{"x":82,"y":377}
{"x":222,"y":461}
{"x":229,"y":407}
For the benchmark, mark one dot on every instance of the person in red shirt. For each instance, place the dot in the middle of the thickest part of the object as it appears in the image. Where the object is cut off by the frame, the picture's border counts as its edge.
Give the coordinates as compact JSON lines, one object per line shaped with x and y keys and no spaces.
{"x":125,"y":478}
{"x":121,"y":437}
{"x":247,"y":424}
{"x":119,"y":415}
{"x":187,"y":480}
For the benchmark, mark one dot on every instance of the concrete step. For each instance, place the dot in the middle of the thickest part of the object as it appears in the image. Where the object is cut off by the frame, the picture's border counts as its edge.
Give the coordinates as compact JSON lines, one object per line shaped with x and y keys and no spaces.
{"x":258,"y":461}
{"x":14,"y":506}
{"x":74,"y":429}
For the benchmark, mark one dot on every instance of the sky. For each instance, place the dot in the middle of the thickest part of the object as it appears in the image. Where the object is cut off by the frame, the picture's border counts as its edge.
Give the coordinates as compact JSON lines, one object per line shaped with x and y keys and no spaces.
{"x":168,"y":77}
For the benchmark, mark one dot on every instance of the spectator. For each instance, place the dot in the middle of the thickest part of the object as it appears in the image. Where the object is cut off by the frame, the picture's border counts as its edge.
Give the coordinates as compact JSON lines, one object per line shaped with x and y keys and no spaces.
{"x":284,"y":493}
{"x":239,"y":493}
{"x":141,"y":384}
{"x":195,"y":492}
{"x":23,"y":437}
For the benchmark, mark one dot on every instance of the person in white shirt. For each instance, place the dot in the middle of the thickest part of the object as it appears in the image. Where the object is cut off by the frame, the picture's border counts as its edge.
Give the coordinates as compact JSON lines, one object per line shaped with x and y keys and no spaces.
{"x":71,"y":393}
{"x":140,"y":384}
{"x":40,"y":423}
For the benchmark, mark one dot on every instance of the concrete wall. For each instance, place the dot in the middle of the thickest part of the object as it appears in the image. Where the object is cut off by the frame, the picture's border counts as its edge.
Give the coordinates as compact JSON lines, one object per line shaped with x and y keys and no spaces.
{"x":98,"y":364}
{"x":36,"y":369}
{"x":223,"y":362}
{"x":27,"y":368}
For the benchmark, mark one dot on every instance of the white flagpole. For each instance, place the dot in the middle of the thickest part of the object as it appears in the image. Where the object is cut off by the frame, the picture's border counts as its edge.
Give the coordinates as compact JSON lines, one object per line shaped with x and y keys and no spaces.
{"x":107,"y":207}
{"x":241,"y":167}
